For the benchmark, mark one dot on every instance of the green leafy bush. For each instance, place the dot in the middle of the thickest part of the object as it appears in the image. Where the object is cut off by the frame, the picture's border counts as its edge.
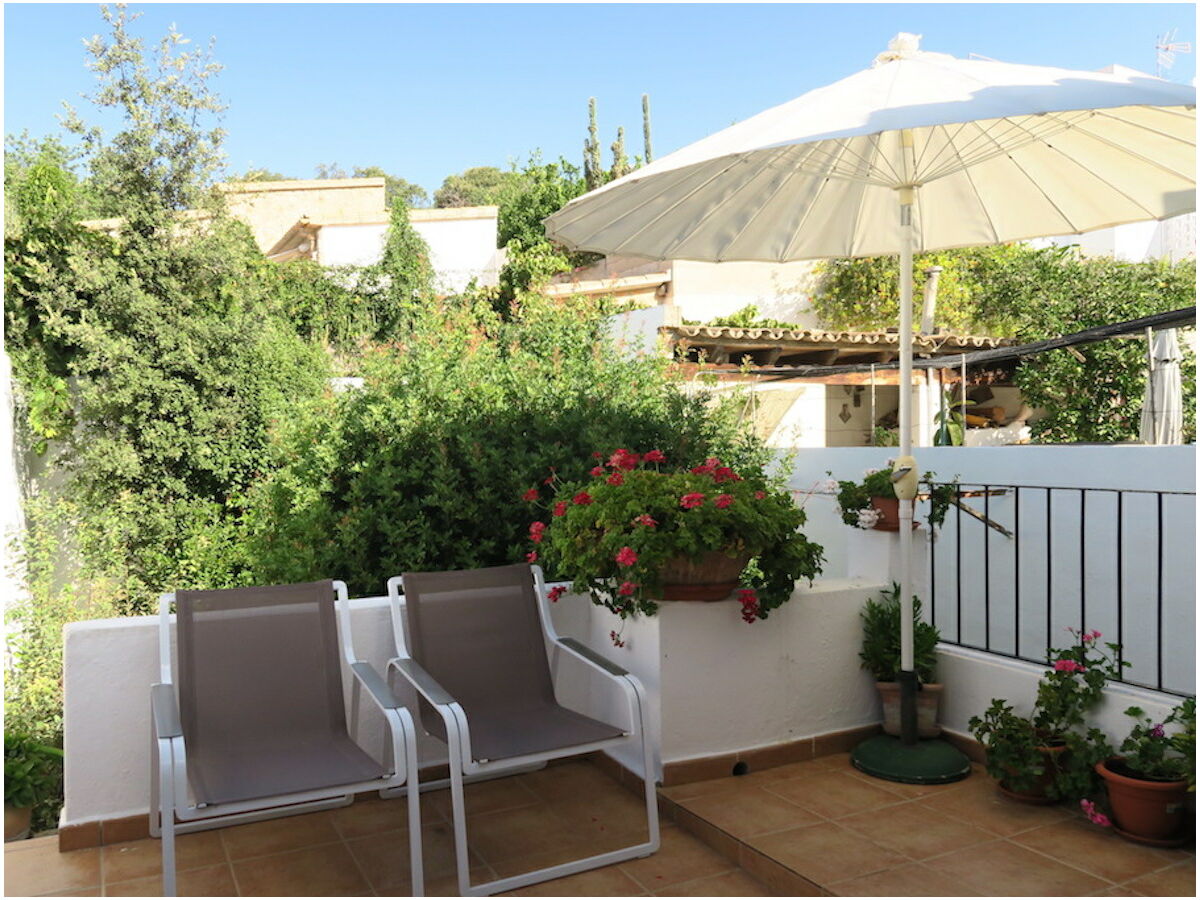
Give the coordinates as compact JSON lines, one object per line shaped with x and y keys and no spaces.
{"x":880,"y":652}
{"x":31,"y":770}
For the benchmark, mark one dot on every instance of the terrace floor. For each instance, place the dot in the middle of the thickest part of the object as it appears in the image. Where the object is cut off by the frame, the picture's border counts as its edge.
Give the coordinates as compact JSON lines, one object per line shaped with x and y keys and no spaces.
{"x":809,"y":828}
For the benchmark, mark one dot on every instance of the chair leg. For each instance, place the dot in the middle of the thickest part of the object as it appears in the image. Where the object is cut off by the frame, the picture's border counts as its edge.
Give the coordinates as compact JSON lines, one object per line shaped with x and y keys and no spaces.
{"x":166,"y":810}
{"x":653,"y":835}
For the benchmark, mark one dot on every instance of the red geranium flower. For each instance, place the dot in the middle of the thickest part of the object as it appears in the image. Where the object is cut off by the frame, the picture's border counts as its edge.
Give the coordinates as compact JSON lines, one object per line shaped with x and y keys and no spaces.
{"x":758,"y":495}
{"x":626,"y":588}
{"x":724,"y":473}
{"x":616,"y":479}
{"x":723,"y":501}
{"x":624,"y":459}
{"x":530,"y":495}
{"x":583,"y":498}
{"x":560,"y":508}
{"x":645,"y":519}
{"x":531,"y":556}
{"x":654,"y":456}
{"x":537,"y":527}
{"x":626,"y":556}
{"x":598,"y":470}
{"x":536,"y":537}
{"x":556,"y":592}
{"x":691,"y":501}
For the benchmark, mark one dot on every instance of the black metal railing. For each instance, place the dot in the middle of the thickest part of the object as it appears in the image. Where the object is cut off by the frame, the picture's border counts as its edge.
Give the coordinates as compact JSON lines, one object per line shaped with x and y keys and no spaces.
{"x":1080,"y":557}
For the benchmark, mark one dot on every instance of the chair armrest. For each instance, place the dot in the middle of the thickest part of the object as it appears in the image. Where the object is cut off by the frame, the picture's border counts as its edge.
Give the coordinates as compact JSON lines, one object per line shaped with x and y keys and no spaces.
{"x":375,"y":685}
{"x":592,"y":656}
{"x":166,"y":711}
{"x":425,"y":683}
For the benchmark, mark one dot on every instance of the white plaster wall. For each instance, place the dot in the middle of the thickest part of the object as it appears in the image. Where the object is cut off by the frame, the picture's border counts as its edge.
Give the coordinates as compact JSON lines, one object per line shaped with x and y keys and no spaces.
{"x":460,"y":250}
{"x":704,"y":290}
{"x":803,"y":425}
{"x":351,"y":245}
{"x":973,"y":679}
{"x":1173,"y":238}
{"x":721,"y":685}
{"x":635,"y":332}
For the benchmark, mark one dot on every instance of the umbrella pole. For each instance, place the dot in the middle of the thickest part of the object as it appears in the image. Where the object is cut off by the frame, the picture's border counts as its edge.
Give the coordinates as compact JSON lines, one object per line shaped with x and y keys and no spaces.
{"x":907,"y":676}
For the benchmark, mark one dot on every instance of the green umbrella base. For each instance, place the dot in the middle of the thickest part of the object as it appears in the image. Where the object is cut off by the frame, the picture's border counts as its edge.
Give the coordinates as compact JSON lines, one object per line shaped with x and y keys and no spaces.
{"x":925,"y":762}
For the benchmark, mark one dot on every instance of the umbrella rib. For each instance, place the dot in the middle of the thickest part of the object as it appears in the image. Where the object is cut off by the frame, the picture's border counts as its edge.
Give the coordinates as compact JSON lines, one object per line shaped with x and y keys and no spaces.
{"x":666,"y":251}
{"x":1056,"y":126}
{"x":782,"y":184}
{"x":862,"y":200}
{"x":1173,"y":137}
{"x":1138,"y":156}
{"x":966,"y":170}
{"x":920,"y":163}
{"x":1041,"y":191}
{"x":803,"y":219}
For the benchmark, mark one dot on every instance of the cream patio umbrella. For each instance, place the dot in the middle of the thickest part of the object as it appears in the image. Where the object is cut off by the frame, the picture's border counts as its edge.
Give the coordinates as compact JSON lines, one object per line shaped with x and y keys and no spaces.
{"x":921,"y":151}
{"x":1162,"y":406}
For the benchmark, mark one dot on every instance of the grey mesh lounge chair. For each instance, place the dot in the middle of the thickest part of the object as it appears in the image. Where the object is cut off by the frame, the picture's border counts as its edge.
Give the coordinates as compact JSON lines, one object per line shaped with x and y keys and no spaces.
{"x":478,"y":652}
{"x":259,"y":727}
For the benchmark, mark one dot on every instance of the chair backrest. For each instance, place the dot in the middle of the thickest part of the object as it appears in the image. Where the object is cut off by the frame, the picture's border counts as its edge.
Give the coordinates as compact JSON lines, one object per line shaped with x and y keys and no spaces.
{"x":257,"y":665}
{"x":479,"y":634}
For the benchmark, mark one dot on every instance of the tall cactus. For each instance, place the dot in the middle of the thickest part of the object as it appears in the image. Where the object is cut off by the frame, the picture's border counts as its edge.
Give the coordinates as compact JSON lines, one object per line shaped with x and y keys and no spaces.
{"x":592,"y":172}
{"x":646,"y":127}
{"x":620,"y":161}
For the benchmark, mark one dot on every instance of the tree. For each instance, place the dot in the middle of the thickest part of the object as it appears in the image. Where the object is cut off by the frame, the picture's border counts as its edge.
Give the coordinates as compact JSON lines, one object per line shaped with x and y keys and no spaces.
{"x":259,"y":174}
{"x":329,"y":171}
{"x":395,"y":187}
{"x":477,"y":186}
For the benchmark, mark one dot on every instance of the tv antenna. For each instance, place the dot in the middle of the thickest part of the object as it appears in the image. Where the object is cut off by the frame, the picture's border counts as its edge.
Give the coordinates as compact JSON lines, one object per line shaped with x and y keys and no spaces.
{"x":1165,"y":49}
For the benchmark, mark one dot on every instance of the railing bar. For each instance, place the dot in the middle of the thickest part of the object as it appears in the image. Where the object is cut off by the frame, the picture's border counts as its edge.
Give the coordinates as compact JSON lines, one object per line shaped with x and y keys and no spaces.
{"x":987,"y":575}
{"x":1160,"y":590}
{"x":1049,"y":570}
{"x":933,"y":575}
{"x":1082,"y":560}
{"x":958,"y":563}
{"x":1044,"y":487}
{"x":1120,"y":585}
{"x":1017,"y":572}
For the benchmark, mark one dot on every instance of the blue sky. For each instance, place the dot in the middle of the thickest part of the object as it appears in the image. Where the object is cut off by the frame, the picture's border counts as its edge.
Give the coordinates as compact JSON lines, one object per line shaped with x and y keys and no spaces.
{"x":428,"y":90}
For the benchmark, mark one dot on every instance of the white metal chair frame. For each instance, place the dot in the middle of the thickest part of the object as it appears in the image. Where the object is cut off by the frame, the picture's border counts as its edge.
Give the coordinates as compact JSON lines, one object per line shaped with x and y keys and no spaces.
{"x":168,"y":759}
{"x":464,"y":767}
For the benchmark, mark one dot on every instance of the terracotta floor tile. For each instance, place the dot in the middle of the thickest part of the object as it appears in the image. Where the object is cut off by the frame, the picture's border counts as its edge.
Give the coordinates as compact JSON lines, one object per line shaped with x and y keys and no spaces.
{"x":730,"y":884}
{"x":384,"y":857}
{"x":910,"y":790}
{"x":1002,"y":868}
{"x":139,"y":859}
{"x":827,"y":852}
{"x":693,"y":789}
{"x":1079,"y":843}
{"x":1175,"y":881}
{"x":527,"y":830}
{"x":983,"y":806}
{"x":600,"y":815}
{"x":325,"y":871}
{"x":680,"y":858}
{"x":609,"y":881}
{"x":486,"y":796}
{"x":834,"y":761}
{"x":447,"y":886}
{"x":279,"y":835}
{"x":834,"y":794}
{"x":749,"y":812}
{"x":82,"y":892}
{"x":36,"y":867}
{"x":567,"y":781}
{"x":914,"y":880}
{"x":210,"y":881}
{"x":915,"y":832}
{"x":1118,"y":892}
{"x":375,"y":816}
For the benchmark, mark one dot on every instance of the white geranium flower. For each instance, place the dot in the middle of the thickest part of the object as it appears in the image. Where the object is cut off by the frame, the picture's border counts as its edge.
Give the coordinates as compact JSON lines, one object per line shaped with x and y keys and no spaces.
{"x":867,"y":517}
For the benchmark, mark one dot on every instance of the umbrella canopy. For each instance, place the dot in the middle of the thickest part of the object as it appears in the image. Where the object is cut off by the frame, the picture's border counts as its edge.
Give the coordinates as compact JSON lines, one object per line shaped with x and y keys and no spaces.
{"x":921,"y":151}
{"x":1162,"y":407}
{"x":998,"y":152}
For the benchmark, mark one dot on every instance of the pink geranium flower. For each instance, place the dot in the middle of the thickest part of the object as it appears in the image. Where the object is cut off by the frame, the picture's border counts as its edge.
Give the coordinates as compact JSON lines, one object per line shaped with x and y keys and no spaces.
{"x":758,"y":495}
{"x":691,"y":501}
{"x":531,"y":556}
{"x":624,"y":459}
{"x":626,"y":556}
{"x":1093,"y":814}
{"x":645,"y":519}
{"x":597,"y":471}
{"x":1068,"y":665}
{"x":626,"y":588}
{"x":723,"y":501}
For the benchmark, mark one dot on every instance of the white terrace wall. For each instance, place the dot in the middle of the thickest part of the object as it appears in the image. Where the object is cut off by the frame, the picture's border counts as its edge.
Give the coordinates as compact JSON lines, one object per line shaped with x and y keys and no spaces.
{"x":973,"y":677}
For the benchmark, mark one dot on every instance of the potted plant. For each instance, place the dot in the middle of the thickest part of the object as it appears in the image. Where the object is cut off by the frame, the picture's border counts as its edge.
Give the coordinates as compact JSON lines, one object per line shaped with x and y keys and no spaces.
{"x":880,"y":656}
{"x":1050,"y":754}
{"x":872,"y":502}
{"x":1148,"y":782}
{"x":641,"y":531}
{"x":30,"y":775}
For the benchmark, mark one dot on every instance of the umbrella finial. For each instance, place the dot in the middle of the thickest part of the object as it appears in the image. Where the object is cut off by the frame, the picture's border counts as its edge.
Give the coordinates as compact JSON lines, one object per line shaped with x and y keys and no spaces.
{"x":902,"y":46}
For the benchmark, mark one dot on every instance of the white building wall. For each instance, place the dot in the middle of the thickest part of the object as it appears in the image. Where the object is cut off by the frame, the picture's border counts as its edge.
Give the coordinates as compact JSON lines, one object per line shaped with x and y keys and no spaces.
{"x":351,"y":245}
{"x":704,"y":291}
{"x":1173,"y":238}
{"x":461,"y":249}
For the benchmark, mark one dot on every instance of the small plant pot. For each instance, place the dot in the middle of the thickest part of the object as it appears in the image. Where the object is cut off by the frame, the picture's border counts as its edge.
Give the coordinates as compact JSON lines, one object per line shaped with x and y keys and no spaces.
{"x":928,"y":700}
{"x":16,"y":822}
{"x":1037,"y":795}
{"x":1145,"y":811}
{"x":712,"y":577}
{"x":889,"y":513}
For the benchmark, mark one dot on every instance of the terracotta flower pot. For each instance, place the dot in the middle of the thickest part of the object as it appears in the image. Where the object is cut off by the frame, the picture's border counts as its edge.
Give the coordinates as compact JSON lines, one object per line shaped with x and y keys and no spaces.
{"x":1052,"y":758}
{"x":710,"y":578}
{"x":889,"y":513}
{"x":16,"y":822}
{"x":1149,"y":812}
{"x":928,"y":699}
